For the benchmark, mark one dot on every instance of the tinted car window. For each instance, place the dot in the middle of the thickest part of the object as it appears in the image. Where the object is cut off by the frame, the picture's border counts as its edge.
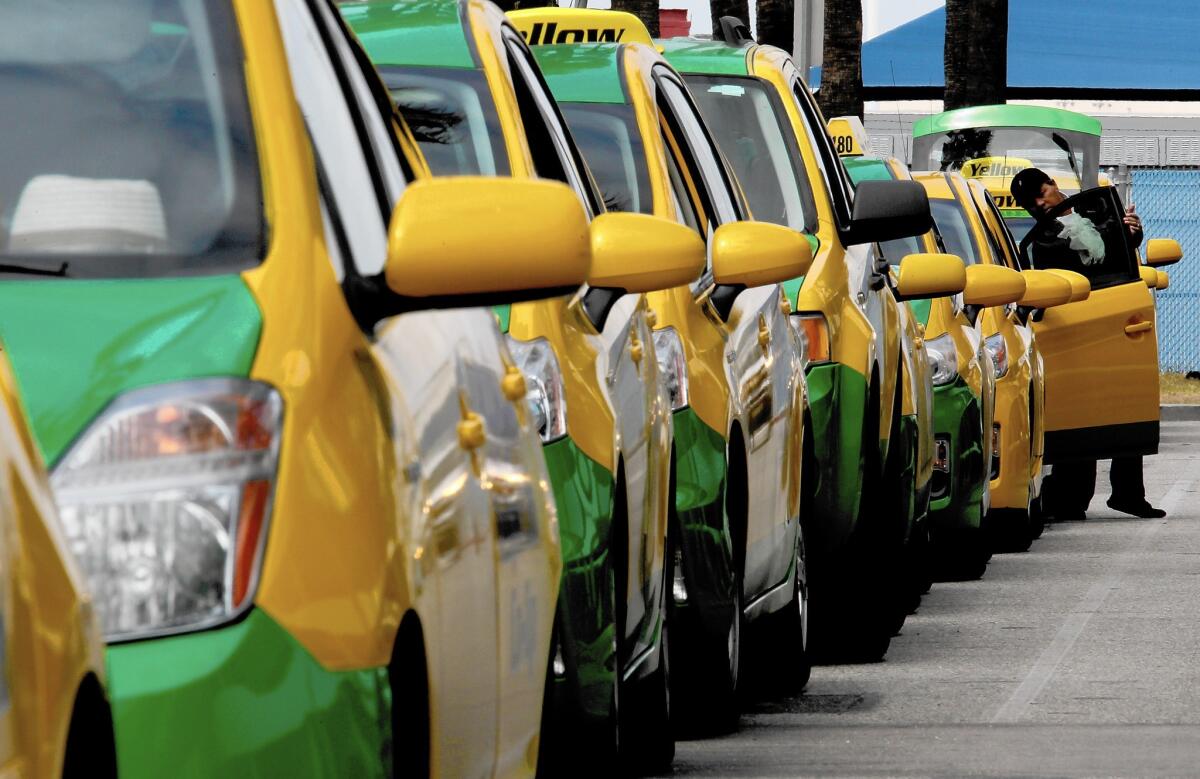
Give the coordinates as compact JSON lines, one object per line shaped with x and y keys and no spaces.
{"x":608,"y":137}
{"x":451,"y":114}
{"x":126,"y":143}
{"x":748,"y":121}
{"x":956,"y":231}
{"x":1085,"y":234}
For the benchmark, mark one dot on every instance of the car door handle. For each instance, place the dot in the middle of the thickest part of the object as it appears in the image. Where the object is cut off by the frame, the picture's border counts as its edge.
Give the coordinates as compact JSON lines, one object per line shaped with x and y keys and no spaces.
{"x":1139,"y":327}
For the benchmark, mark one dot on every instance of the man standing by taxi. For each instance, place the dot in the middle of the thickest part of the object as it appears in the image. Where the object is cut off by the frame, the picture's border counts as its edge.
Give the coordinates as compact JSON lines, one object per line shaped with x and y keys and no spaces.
{"x":1070,"y":487}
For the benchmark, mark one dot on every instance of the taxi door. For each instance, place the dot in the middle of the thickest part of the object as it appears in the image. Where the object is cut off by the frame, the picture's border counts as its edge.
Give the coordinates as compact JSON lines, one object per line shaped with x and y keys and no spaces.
{"x":760,"y":364}
{"x":1100,"y":354}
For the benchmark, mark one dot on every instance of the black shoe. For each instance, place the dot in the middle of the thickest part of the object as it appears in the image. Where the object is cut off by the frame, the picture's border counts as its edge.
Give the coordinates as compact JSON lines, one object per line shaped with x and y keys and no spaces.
{"x":1138,"y":508}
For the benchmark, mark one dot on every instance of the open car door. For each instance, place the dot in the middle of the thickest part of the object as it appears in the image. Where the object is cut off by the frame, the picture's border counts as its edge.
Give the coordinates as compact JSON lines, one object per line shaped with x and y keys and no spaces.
{"x":1101,"y":354}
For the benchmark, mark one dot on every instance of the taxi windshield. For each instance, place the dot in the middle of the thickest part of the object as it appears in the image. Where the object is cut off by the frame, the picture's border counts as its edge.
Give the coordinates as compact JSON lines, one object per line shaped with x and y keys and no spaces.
{"x":995,"y":154}
{"x":748,"y":122}
{"x":126,"y":144}
{"x":607,"y":135}
{"x":453,"y":118}
{"x":956,"y":231}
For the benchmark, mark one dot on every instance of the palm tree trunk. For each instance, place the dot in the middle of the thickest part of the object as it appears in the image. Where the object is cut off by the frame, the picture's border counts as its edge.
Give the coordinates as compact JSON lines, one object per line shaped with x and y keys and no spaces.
{"x":776,"y":23}
{"x":646,"y":10}
{"x":841,"y":91}
{"x":976,"y":53}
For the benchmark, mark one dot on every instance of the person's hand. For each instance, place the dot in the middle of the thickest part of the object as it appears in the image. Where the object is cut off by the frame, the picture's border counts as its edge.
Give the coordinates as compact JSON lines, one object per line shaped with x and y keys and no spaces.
{"x":1132,"y":220}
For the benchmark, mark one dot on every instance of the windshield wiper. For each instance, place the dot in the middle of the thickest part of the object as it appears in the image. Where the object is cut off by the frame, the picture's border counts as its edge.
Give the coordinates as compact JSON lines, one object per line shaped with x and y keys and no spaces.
{"x":60,"y":271}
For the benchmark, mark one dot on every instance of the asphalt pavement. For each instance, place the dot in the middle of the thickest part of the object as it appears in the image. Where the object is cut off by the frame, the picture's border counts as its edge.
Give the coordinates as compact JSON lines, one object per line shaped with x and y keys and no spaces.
{"x":1080,"y":657}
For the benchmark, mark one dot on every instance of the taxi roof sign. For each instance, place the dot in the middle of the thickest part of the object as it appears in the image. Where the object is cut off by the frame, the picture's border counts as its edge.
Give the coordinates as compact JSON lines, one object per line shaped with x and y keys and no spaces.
{"x":849,"y":136}
{"x":541,"y":26}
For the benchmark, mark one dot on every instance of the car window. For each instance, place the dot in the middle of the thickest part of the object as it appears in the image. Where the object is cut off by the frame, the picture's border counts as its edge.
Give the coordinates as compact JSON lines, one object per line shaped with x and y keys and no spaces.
{"x":555,"y":155}
{"x":1086,"y":234}
{"x":955,"y":229}
{"x":749,"y":122}
{"x":837,"y":180}
{"x":608,"y":136}
{"x":127,"y":147}
{"x":688,"y":129}
{"x":348,"y":179}
{"x":453,"y":118}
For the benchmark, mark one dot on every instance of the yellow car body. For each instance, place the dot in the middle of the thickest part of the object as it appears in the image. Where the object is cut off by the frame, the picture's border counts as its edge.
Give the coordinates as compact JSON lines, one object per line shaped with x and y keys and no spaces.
{"x":738,"y":479}
{"x":54,"y":714}
{"x":393,"y":561}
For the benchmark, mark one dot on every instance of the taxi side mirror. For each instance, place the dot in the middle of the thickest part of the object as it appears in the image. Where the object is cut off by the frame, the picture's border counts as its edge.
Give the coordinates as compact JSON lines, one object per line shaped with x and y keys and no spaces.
{"x":1163,"y":251}
{"x":751,"y":254}
{"x":1149,"y":276}
{"x":474,"y":240}
{"x":637,"y":253}
{"x":1044,"y":289}
{"x":930,"y":276}
{"x":992,"y":285}
{"x":887,"y":210}
{"x":1163,"y":281}
{"x":1081,"y":288}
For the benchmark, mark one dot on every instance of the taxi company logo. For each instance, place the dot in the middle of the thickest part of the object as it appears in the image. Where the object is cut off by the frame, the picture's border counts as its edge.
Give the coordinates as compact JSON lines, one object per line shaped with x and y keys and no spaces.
{"x":542,"y":34}
{"x":1004,"y":201}
{"x":981,"y":168}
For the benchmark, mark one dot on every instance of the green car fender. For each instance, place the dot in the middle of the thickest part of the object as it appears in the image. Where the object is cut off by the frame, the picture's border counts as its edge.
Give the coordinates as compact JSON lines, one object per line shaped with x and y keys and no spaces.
{"x":956,"y":505}
{"x":837,"y":398}
{"x":583,"y":495}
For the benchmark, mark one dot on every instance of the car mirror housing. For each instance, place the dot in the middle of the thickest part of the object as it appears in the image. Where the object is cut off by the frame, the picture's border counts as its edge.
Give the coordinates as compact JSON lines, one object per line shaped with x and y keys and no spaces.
{"x":886,"y":211}
{"x":1149,"y":276}
{"x":1044,"y":289}
{"x":1081,"y":288}
{"x":637,"y":253}
{"x":1163,"y":280}
{"x":930,"y":276}
{"x":1163,"y":251}
{"x":473,"y":240}
{"x":992,"y":285}
{"x":751,"y":254}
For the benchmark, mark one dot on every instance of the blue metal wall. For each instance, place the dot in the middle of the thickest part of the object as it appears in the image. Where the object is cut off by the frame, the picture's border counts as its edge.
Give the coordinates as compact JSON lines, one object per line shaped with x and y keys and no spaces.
{"x":1169,"y":202}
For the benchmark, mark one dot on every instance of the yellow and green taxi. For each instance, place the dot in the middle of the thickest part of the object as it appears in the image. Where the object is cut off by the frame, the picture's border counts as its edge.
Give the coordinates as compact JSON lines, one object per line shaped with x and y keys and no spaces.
{"x":732,"y":362}
{"x":54,"y":714}
{"x":1100,"y":353}
{"x":466,"y":81}
{"x":1015,"y":517}
{"x":1007,"y":352}
{"x":311,"y":509}
{"x":864,"y":482}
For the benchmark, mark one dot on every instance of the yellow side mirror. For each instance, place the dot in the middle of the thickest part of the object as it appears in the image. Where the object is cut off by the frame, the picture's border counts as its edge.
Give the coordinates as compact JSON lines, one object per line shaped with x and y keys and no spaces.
{"x":1163,"y":281}
{"x":482,"y":238}
{"x":992,"y":285}
{"x":752,"y":254}
{"x":1044,"y":289}
{"x":1163,"y":251}
{"x":1081,"y":288}
{"x":1149,"y":276}
{"x":930,"y":276}
{"x":642,"y":253}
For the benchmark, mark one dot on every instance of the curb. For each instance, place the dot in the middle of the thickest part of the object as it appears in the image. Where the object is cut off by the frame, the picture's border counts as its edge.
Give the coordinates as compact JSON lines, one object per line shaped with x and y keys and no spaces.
{"x":1179,"y":412}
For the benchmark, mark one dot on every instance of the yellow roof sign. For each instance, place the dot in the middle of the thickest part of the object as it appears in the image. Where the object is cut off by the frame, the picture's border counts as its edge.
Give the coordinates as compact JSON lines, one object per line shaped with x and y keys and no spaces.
{"x":541,"y":26}
{"x":850,"y":138}
{"x":983,"y":167}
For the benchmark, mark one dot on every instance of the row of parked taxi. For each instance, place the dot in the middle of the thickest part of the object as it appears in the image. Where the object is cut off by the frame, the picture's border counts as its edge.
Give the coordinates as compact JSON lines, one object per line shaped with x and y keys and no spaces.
{"x":520,"y":429}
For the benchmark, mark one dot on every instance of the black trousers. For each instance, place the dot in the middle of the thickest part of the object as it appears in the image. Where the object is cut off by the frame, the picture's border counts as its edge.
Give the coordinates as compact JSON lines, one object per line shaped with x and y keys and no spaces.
{"x":1070,"y":486}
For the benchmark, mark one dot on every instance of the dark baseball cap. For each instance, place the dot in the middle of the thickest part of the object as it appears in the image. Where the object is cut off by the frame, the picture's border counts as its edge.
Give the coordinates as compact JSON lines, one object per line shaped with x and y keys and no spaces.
{"x":1026,"y":186}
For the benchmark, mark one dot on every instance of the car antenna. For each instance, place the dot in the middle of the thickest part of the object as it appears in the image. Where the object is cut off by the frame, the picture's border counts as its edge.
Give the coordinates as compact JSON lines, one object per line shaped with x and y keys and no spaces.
{"x":733,"y":31}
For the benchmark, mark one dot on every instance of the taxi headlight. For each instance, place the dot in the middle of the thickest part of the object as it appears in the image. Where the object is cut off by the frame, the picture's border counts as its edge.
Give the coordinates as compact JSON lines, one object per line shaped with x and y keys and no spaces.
{"x":164,"y":502}
{"x":672,"y":366}
{"x":943,"y":359}
{"x":545,"y":394}
{"x":997,"y":349}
